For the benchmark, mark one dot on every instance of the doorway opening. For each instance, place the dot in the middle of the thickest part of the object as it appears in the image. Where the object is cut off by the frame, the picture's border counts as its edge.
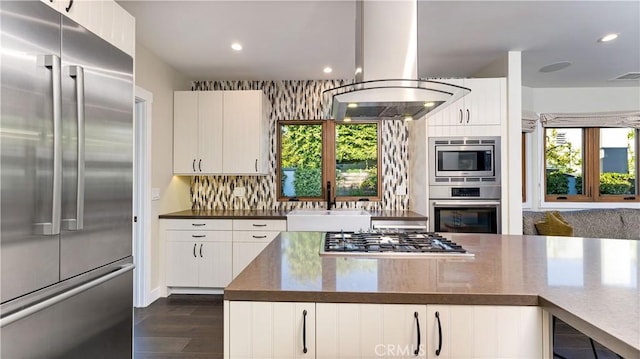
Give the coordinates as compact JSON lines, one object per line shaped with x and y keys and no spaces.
{"x":142,"y":198}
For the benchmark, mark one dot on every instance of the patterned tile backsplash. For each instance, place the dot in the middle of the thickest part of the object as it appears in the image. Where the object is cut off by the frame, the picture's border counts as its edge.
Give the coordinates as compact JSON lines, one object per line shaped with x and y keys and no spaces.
{"x":298,"y":100}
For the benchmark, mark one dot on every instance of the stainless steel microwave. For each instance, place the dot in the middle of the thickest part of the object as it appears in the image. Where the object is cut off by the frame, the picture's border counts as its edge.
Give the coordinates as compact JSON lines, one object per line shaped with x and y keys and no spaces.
{"x":465,"y":160}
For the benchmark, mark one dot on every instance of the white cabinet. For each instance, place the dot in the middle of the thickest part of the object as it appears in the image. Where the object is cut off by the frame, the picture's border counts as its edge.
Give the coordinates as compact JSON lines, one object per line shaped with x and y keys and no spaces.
{"x":198,"y":253}
{"x":197,"y":132}
{"x":484,"y":331}
{"x":479,"y":113}
{"x":370,"y":330}
{"x":104,"y":18}
{"x":220,"y":132}
{"x":270,"y":330}
{"x":246,"y":136}
{"x":211,"y":252}
{"x":352,"y":330}
{"x":250,"y":237}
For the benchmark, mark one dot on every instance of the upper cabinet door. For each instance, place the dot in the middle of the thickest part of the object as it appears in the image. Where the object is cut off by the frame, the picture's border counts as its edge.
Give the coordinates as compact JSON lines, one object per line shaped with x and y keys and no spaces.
{"x":483,"y":104}
{"x":244,"y":125}
{"x":185,"y":132}
{"x":209,"y":132}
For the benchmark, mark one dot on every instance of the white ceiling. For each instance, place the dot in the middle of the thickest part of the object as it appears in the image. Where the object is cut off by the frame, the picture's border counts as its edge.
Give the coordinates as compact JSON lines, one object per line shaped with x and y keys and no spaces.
{"x":295,"y":40}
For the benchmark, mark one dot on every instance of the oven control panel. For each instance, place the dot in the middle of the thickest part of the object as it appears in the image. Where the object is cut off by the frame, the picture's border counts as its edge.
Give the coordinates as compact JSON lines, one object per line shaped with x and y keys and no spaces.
{"x":465,"y":192}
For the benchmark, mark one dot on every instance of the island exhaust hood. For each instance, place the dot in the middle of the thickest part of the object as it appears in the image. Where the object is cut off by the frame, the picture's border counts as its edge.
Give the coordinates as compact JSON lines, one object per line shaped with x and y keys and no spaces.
{"x":386,"y":85}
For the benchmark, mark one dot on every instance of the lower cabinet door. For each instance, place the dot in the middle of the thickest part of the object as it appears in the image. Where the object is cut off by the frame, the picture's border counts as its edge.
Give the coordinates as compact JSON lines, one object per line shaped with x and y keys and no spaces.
{"x":244,"y":253}
{"x":271,"y":330}
{"x":214,"y":264}
{"x":182,"y":264}
{"x":460,"y":331}
{"x":370,"y":330}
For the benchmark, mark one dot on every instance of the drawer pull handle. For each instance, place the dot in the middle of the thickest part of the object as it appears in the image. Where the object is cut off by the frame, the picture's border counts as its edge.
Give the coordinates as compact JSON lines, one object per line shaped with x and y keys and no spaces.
{"x":417,"y":351}
{"x":198,"y":224}
{"x":198,"y":235}
{"x":201,"y":250}
{"x":304,"y":331}
{"x":259,"y":225}
{"x":194,"y":250}
{"x":439,"y":335}
{"x":259,"y":236}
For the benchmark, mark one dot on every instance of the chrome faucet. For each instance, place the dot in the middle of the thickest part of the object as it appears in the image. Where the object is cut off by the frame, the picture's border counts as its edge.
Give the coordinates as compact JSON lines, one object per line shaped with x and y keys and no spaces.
{"x":329,"y":202}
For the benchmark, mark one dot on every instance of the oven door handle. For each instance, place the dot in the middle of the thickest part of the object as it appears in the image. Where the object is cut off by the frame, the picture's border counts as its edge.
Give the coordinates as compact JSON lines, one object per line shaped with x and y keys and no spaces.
{"x":470,"y":203}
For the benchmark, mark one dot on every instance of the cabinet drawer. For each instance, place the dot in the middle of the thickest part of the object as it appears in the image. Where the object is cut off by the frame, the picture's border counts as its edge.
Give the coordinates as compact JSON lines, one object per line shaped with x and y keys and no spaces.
{"x":259,"y":225}
{"x":254,"y":236}
{"x":199,"y":236}
{"x":199,"y":224}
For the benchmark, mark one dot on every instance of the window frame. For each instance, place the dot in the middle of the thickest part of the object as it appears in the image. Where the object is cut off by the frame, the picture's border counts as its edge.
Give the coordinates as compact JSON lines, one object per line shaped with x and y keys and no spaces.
{"x":378,"y":166}
{"x":328,"y":160}
{"x":591,"y":170}
{"x":323,"y":176}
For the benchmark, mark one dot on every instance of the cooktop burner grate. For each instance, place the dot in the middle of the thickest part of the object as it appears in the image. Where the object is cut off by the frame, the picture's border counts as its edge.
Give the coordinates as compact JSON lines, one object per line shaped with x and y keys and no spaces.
{"x":372,"y":242}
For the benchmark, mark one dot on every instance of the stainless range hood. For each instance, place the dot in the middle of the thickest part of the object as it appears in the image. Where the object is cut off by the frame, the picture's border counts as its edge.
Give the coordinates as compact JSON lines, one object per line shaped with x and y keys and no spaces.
{"x":386,"y":85}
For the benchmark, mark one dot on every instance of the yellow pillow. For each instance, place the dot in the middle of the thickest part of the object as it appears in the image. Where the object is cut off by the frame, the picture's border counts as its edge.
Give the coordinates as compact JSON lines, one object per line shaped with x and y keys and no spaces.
{"x":554,"y":225}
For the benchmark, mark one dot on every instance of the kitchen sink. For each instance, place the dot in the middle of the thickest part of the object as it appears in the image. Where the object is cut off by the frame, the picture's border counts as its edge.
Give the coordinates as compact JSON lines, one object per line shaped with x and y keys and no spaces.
{"x":323,"y":220}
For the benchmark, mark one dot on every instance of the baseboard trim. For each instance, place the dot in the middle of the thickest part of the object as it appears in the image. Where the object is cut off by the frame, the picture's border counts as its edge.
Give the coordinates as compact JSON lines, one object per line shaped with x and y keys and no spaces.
{"x":154,"y":295}
{"x":185,"y":290}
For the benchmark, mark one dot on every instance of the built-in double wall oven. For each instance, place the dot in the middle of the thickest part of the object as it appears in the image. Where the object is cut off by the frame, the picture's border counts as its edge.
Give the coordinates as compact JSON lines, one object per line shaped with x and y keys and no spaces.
{"x":464,"y":186}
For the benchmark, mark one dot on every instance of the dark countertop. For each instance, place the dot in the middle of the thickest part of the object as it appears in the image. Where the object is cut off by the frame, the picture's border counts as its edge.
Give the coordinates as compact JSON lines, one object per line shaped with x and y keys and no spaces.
{"x":278,"y":214}
{"x":225,"y":214}
{"x":592,"y":284}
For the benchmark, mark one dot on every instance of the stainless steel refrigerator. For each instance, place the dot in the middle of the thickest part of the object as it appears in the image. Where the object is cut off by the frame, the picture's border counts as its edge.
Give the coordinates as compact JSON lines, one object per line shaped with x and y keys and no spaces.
{"x":66,"y":136}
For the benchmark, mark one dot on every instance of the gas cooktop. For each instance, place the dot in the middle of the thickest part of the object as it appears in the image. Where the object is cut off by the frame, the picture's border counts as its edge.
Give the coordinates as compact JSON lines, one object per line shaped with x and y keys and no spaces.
{"x":389,"y":244}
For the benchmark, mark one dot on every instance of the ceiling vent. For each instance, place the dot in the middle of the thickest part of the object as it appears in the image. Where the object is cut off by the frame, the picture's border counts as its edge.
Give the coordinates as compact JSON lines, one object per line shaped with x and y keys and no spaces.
{"x":629,"y":76}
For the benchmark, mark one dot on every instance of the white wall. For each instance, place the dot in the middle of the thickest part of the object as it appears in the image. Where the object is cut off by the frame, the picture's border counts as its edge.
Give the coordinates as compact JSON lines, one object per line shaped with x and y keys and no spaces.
{"x":160,"y":79}
{"x":588,"y":99}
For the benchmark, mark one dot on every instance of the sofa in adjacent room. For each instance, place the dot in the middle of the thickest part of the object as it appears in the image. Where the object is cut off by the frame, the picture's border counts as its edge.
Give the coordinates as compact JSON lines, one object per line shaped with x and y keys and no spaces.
{"x":621,"y":223}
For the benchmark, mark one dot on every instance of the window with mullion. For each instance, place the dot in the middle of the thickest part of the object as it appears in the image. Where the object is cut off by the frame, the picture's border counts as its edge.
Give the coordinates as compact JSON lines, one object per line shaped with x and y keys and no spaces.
{"x":591,"y":164}
{"x":312,"y":153}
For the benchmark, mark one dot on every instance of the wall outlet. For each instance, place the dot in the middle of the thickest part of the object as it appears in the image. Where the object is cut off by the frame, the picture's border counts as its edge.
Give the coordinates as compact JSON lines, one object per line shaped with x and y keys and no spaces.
{"x":401,"y":190}
{"x":155,"y":194}
{"x":238,"y":192}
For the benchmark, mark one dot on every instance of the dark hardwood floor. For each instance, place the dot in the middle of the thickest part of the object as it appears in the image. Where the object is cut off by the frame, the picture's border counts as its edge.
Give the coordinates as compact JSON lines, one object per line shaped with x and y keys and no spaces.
{"x":180,"y":326}
{"x":190,"y":326}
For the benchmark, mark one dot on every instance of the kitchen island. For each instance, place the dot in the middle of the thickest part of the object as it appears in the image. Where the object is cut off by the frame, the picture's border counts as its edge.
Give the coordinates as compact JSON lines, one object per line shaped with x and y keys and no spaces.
{"x":592,"y":284}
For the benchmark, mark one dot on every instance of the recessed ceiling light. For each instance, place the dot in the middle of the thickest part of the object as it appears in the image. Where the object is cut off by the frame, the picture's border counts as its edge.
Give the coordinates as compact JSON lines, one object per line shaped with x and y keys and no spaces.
{"x":352,"y":105}
{"x":327,"y":70}
{"x":608,"y":37}
{"x":429,"y":104}
{"x":236,"y":46}
{"x":555,"y":67}
{"x":408,"y":118}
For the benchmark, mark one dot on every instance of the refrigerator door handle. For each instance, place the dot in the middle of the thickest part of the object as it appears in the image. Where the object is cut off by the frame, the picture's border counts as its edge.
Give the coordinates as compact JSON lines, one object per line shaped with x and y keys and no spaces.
{"x":63,"y":296}
{"x":52,"y":62}
{"x":77,"y":73}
